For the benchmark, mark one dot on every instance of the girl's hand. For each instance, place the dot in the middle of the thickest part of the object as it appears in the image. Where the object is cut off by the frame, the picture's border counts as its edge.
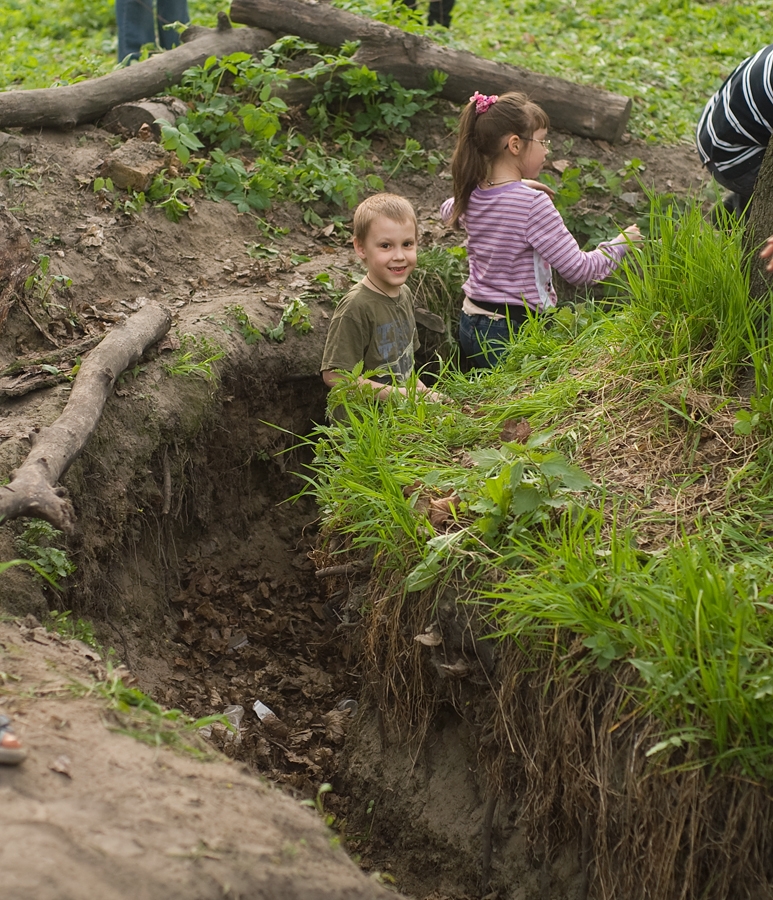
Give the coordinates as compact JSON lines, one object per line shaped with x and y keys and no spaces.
{"x":539,"y":186}
{"x":632,"y":233}
{"x":767,"y":253}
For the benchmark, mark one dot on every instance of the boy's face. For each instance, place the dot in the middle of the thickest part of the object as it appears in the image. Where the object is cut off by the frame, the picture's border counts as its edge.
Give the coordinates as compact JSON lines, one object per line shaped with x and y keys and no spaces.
{"x":389,"y":252}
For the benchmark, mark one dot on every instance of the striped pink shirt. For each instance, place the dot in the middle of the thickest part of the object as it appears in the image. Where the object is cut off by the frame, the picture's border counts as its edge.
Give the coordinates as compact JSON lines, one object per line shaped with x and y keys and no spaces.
{"x":514,"y":236}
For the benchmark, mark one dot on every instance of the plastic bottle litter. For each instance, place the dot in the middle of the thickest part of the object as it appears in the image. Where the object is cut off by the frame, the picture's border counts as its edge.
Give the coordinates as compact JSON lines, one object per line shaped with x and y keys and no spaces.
{"x":272,"y":724}
{"x":348,"y":705}
{"x":234,"y":714}
{"x":261,"y":710}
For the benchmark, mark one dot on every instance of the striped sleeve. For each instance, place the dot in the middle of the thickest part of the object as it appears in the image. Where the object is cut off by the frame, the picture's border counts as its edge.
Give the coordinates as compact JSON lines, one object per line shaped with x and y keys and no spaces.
{"x":557,"y":246}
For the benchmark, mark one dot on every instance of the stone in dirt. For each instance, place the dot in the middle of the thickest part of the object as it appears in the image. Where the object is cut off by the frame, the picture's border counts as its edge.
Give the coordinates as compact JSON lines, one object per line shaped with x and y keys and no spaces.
{"x":135,"y":164}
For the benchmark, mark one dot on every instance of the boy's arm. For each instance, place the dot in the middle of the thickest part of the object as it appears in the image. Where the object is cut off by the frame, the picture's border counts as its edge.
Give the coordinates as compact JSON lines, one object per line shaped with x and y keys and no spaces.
{"x":382,"y":391}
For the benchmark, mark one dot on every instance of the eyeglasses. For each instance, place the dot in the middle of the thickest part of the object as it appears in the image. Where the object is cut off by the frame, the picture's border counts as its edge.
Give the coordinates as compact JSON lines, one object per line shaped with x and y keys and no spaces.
{"x":544,"y":141}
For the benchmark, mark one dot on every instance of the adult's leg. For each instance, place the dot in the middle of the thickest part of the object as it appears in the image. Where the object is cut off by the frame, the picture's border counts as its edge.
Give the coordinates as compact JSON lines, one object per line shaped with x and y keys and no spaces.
{"x":136,"y":26}
{"x":440,"y":12}
{"x":170,"y":11}
{"x":741,"y":188}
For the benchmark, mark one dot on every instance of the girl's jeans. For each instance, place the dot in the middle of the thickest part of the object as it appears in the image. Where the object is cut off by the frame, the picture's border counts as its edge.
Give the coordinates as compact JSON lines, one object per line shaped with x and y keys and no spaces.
{"x":136,"y":20}
{"x":485,"y":340}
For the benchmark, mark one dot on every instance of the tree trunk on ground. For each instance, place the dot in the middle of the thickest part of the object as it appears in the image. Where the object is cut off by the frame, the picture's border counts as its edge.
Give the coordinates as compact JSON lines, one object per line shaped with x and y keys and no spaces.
{"x":128,"y":118}
{"x":579,"y":109}
{"x":33,"y":489}
{"x":86,"y":101}
{"x":760,"y":226}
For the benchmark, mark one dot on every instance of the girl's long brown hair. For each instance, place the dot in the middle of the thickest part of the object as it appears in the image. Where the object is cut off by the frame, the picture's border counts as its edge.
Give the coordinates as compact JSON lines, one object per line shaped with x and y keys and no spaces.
{"x":481,"y":137}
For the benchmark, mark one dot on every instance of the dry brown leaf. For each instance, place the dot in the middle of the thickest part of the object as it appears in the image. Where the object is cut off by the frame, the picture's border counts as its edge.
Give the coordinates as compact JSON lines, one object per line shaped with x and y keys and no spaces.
{"x":443,"y":509}
{"x":430,"y":638}
{"x":517,"y":432}
{"x":409,"y":489}
{"x":336,"y":724}
{"x":458,"y":670}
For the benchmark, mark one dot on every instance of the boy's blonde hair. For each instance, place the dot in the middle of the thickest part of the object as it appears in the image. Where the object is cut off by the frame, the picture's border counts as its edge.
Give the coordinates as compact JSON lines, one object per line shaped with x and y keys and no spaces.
{"x":394,"y":207}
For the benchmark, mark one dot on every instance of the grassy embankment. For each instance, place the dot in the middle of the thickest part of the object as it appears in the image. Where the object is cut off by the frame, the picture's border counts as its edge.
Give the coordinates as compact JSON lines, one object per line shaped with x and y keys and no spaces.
{"x":600,"y":507}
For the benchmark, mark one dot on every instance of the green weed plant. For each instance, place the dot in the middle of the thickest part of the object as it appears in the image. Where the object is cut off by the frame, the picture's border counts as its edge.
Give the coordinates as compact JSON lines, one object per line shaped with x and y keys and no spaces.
{"x":197,"y":356}
{"x":37,"y":544}
{"x":668,"y":57}
{"x":71,"y":628}
{"x":234,"y":144}
{"x":140,"y":717}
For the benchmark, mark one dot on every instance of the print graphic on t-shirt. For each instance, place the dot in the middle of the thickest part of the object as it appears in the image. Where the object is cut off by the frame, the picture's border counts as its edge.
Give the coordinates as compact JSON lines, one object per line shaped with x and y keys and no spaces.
{"x":395,"y":343}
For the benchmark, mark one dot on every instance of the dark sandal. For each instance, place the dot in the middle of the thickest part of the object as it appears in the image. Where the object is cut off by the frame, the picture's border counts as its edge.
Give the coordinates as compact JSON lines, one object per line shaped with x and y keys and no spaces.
{"x":11,"y":750}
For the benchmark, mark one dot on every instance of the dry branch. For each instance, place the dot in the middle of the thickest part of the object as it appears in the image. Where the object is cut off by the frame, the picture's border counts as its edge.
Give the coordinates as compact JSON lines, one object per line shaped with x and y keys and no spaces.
{"x":86,"y":101}
{"x":33,"y":489}
{"x":576,"y":108}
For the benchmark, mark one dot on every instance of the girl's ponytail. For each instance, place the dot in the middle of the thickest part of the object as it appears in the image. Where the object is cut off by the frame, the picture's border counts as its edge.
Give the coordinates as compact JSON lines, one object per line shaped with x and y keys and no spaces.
{"x":468,"y":164}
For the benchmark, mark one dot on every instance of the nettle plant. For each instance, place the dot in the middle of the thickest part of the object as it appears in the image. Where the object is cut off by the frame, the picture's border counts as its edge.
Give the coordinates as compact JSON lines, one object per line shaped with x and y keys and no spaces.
{"x":608,"y":190}
{"x":236,"y":142}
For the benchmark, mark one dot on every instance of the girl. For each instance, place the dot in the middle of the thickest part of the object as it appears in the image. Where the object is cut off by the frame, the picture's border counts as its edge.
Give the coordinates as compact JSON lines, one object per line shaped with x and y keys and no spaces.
{"x":514,"y":233}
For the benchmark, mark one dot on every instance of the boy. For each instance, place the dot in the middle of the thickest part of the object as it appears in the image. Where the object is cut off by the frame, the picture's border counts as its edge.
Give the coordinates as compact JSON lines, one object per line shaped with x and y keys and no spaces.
{"x":374,"y":323}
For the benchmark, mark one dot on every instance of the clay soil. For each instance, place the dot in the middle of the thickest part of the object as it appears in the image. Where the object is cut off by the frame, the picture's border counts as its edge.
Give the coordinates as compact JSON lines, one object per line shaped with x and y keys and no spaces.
{"x":193,"y":565}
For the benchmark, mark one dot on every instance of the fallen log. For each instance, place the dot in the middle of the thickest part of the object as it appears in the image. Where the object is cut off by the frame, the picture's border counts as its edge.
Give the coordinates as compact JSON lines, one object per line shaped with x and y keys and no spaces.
{"x":33,"y":489}
{"x":86,"y":101}
{"x":579,"y":109}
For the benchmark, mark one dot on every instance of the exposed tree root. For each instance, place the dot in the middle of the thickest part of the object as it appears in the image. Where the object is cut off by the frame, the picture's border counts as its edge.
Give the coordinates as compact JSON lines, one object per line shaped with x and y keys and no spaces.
{"x":33,"y":490}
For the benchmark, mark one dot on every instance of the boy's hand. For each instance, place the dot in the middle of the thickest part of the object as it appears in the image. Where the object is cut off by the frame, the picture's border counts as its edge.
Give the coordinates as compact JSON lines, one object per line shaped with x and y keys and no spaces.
{"x":431,"y":395}
{"x":767,"y":253}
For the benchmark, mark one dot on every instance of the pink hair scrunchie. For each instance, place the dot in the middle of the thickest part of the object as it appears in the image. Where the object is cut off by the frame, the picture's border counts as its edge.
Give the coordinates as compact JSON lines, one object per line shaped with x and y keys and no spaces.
{"x":483,"y":102}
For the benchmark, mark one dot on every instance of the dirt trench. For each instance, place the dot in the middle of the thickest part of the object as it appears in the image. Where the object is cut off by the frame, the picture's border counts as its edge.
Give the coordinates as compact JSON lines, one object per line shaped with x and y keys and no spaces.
{"x":216,"y":604}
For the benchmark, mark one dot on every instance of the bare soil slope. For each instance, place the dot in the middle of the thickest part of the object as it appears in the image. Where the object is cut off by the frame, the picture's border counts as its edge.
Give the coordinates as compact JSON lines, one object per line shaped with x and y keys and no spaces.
{"x":94,"y":812}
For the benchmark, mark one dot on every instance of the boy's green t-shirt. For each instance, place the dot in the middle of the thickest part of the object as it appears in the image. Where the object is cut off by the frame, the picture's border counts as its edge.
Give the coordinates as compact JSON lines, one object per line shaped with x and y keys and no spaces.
{"x":378,"y":330}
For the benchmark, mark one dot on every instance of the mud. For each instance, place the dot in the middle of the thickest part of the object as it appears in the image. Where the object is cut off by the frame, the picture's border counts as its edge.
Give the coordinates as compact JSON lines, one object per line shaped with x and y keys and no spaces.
{"x":195,"y":565}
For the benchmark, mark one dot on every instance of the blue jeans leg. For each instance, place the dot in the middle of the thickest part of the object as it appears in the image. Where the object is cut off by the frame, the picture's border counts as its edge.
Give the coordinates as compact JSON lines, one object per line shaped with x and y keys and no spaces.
{"x":485,"y":340}
{"x":170,"y":11}
{"x":136,"y":26}
{"x":136,"y":21}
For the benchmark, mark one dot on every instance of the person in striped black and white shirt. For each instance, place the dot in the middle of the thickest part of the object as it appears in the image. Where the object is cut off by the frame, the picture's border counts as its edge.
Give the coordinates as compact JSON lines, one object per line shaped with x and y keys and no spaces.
{"x":514,"y":232}
{"x":735,"y":127}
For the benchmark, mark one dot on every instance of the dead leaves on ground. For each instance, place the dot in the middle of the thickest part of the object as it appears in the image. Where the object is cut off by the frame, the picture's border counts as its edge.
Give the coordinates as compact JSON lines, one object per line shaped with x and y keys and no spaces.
{"x":442,"y":511}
